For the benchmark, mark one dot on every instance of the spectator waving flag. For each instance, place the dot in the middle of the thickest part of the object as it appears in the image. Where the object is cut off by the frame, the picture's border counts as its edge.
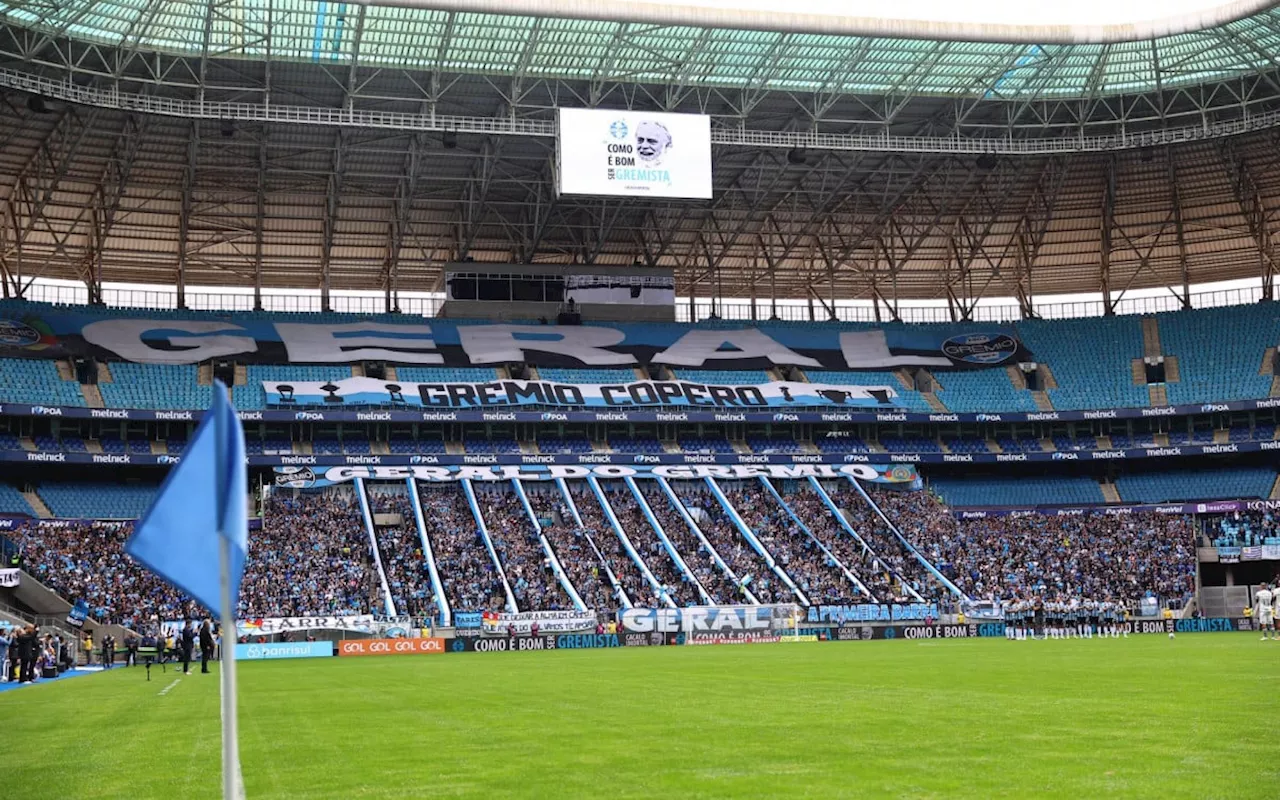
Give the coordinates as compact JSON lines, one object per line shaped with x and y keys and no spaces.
{"x":196,"y":537}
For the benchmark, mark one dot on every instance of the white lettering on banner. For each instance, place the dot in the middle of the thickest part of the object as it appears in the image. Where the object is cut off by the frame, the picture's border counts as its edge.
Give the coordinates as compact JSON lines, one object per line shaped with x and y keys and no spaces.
{"x":9,"y":577}
{"x":506,"y":393}
{"x":696,"y":618}
{"x":495,"y":344}
{"x":267,"y":626}
{"x":320,"y":343}
{"x":124,"y":338}
{"x":548,"y":621}
{"x":870,"y":350}
{"x":696,"y":348}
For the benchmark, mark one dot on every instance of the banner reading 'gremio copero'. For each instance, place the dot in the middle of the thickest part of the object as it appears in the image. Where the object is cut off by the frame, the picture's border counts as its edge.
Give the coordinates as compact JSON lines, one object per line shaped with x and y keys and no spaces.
{"x":665,"y":394}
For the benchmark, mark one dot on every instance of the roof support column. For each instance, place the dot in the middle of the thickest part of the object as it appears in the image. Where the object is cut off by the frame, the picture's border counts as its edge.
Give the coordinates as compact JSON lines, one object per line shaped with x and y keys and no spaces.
{"x":1179,"y":228}
{"x":1108,"y":224}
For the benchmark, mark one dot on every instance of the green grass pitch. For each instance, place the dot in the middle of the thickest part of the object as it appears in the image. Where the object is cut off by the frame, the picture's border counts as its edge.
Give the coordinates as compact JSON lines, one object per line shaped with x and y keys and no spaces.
{"x":1197,"y":717}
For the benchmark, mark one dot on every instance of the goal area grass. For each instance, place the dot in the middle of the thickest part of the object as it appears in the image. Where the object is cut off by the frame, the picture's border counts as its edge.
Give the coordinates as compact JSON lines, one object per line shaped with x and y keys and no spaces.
{"x":1146,"y":716}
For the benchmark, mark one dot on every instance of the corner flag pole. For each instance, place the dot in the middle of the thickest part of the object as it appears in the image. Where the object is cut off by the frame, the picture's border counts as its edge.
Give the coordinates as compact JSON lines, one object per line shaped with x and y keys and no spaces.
{"x":231,"y":786}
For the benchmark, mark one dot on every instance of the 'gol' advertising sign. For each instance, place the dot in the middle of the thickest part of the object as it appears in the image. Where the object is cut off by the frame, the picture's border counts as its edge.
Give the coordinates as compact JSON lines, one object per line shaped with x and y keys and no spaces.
{"x":389,"y":647}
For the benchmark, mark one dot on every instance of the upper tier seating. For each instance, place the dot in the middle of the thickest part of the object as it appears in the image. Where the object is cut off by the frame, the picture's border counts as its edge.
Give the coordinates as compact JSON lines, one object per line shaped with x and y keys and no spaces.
{"x":552,"y":444}
{"x":723,"y":377}
{"x":587,"y":375}
{"x":841,"y":444}
{"x":250,"y":396}
{"x":1235,"y":483}
{"x":908,"y":399}
{"x":624,"y":445}
{"x":1219,"y":352}
{"x":974,"y":391}
{"x":1091,"y":359}
{"x":446,"y":374}
{"x":36,"y":381}
{"x":97,"y":501}
{"x":164,"y":386}
{"x":12,"y":501}
{"x":1022,"y":491}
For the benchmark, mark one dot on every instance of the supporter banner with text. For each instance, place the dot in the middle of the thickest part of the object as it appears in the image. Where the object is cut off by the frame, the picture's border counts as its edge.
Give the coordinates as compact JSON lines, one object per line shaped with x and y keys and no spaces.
{"x":515,"y":644}
{"x":500,"y":623}
{"x":1206,"y":507}
{"x":390,"y":647}
{"x":9,"y":577}
{"x":307,"y":478}
{"x":270,"y":626}
{"x":872,"y":612}
{"x":513,"y":393}
{"x":972,"y":630}
{"x":702,"y":619}
{"x":42,"y":331}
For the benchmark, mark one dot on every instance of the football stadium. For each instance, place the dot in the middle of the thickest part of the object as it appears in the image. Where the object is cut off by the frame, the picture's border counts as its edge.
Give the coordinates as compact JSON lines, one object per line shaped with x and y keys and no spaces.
{"x":488,"y":398}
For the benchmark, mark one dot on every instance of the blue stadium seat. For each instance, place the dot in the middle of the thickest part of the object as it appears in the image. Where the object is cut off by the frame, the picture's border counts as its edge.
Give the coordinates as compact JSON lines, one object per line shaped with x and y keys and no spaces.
{"x":841,"y":444}
{"x":910,"y":444}
{"x":1020,"y":491}
{"x":908,"y":399}
{"x":587,"y":375}
{"x":979,"y":390}
{"x":555,"y":444}
{"x":97,"y":501}
{"x":162,"y":386}
{"x":446,"y":374}
{"x":724,"y":377}
{"x":1219,"y":352}
{"x":774,"y":444}
{"x":636,"y":446}
{"x":1090,"y":358}
{"x":36,"y":381}
{"x":250,"y":397}
{"x":12,"y":501}
{"x":1234,"y":483}
{"x":967,"y":446}
{"x":692,"y":444}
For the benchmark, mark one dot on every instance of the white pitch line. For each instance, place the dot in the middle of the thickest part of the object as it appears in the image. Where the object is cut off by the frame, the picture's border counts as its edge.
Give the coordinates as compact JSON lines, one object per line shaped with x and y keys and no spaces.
{"x":166,"y":689}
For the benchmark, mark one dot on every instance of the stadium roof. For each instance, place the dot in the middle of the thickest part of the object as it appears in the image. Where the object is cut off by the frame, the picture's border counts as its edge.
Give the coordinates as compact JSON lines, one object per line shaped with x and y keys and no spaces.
{"x":291,"y":143}
{"x":457,"y":41}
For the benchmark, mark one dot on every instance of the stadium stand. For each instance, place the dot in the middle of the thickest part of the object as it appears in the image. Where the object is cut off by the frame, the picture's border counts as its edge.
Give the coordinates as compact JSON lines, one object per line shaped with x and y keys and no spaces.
{"x":1235,"y":483}
{"x":408,"y":578}
{"x":696,"y":557}
{"x":36,"y":381}
{"x":250,"y":396}
{"x":471,"y":583}
{"x":96,"y":500}
{"x":1091,"y":359}
{"x":612,"y":553}
{"x":908,"y":399}
{"x":449,"y":374}
{"x":160,"y":386}
{"x":12,"y":501}
{"x":646,"y":542}
{"x":1019,"y":491}
{"x":586,"y":375}
{"x":526,"y":564}
{"x":723,"y":377}
{"x":982,"y":390}
{"x":575,"y":549}
{"x":1219,"y":352}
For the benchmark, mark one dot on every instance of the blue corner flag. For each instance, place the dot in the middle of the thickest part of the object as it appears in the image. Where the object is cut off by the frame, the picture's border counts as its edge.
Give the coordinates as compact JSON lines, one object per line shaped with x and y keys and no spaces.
{"x":201,"y":503}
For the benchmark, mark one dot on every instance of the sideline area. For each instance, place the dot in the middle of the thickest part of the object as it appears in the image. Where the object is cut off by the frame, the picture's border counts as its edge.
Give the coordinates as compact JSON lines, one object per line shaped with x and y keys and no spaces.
{"x":7,"y":686}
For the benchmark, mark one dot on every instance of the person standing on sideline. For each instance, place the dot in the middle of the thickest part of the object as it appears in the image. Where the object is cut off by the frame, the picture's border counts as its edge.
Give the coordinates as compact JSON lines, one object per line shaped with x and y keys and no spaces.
{"x":188,"y":644}
{"x":1264,"y":611}
{"x":30,"y":644}
{"x":108,"y":655}
{"x":5,"y":641}
{"x":206,"y":647}
{"x":88,"y":649}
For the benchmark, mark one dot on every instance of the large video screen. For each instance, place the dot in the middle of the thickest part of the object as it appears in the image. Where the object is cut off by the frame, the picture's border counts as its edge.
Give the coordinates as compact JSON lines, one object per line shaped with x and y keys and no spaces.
{"x":634,"y":154}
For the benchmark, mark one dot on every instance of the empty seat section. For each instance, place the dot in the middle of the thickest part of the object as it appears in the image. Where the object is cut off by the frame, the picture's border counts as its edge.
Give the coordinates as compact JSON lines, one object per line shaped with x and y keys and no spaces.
{"x":619,"y":445}
{"x":587,"y":375}
{"x":1219,"y":352}
{"x":163,"y":386}
{"x":908,"y":399}
{"x":1206,"y":484}
{"x":694,"y":444}
{"x":841,"y":444}
{"x":12,"y":501}
{"x":554,"y":444}
{"x":446,"y":374}
{"x":774,"y":444}
{"x":975,"y":391}
{"x":97,"y":501}
{"x":910,"y":444}
{"x":968,"y":446}
{"x":250,"y":396}
{"x":724,"y":377}
{"x":1021,"y":491}
{"x":1091,"y":359}
{"x":36,"y":382}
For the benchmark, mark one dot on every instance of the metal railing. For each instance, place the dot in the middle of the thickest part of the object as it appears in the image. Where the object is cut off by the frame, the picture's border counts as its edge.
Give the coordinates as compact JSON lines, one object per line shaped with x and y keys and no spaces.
{"x":429,"y":305}
{"x":733,"y":133}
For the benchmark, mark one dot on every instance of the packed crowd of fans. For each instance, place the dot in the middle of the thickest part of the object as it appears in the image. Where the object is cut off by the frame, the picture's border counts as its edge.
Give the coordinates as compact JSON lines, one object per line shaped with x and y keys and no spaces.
{"x":470,"y":580}
{"x":1242,"y":529}
{"x":816,"y":575}
{"x":646,"y":542}
{"x":86,"y":561}
{"x":855,"y":555}
{"x":405,"y":566}
{"x":639,"y":591}
{"x":527,"y":566}
{"x":696,"y":556}
{"x":311,"y":558}
{"x":576,"y":550}
{"x":1100,"y":558}
{"x":903,"y":565}
{"x":732,"y":546}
